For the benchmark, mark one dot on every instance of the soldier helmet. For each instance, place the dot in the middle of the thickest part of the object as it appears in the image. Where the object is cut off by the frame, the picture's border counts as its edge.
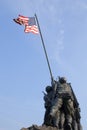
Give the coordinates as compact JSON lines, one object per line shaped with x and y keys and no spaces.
{"x":48,"y":89}
{"x":62,"y":80}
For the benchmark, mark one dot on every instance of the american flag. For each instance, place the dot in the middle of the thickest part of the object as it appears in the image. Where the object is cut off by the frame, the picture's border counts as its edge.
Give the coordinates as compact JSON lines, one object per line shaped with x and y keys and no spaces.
{"x":29,"y":23}
{"x":31,"y":27}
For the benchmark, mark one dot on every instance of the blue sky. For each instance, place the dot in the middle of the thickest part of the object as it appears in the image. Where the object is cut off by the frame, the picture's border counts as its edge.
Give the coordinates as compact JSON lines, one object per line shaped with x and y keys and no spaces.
{"x":24,"y":72}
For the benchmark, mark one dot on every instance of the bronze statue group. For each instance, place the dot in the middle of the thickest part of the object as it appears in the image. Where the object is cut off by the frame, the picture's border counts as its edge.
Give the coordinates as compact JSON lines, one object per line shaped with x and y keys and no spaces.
{"x":62,"y":108}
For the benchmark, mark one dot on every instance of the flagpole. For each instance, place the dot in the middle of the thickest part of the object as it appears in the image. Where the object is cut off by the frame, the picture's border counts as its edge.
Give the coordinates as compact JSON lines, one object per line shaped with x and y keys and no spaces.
{"x":44,"y":48}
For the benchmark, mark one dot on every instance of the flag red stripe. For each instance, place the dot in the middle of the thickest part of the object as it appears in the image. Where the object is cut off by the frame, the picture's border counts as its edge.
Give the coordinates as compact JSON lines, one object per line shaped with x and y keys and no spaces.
{"x":23,"y":17}
{"x":32,"y":29}
{"x":29,"y":30}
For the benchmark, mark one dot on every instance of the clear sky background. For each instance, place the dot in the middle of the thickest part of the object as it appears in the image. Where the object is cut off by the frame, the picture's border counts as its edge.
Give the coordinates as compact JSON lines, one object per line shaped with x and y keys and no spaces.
{"x":24,"y":72}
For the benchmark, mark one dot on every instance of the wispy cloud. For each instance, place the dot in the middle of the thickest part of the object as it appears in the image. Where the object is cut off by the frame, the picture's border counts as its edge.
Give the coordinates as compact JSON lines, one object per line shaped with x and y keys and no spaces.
{"x":81,"y":4}
{"x":58,"y":47}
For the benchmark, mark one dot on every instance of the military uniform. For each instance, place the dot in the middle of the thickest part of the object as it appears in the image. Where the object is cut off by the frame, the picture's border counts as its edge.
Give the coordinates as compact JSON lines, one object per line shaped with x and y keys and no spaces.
{"x":63,"y":99}
{"x":48,"y":103}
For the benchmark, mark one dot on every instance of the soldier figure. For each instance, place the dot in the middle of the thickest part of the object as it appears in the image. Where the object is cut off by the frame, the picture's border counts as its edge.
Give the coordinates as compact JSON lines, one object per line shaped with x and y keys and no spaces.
{"x":49,"y":97}
{"x":62,"y":107}
{"x":47,"y":105}
{"x":63,"y":102}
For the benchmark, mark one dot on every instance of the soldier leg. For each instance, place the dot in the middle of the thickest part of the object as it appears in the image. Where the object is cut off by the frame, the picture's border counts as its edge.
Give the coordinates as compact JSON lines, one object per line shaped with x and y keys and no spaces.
{"x":62,"y":120}
{"x":45,"y":117}
{"x":74,"y":125}
{"x":56,"y":119}
{"x":69,"y":113}
{"x":47,"y":120}
{"x":55,"y":111}
{"x":69,"y":122}
{"x":79,"y":125}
